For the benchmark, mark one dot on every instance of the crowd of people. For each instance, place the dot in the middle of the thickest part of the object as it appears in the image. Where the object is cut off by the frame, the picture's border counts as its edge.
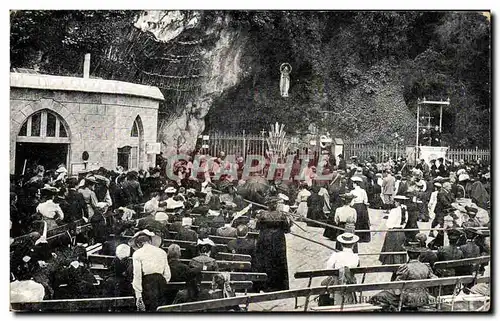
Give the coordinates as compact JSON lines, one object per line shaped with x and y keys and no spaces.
{"x":149,"y":206}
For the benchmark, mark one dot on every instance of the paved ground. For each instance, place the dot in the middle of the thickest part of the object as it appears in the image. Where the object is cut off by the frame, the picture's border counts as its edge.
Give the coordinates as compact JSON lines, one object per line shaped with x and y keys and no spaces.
{"x":305,"y":255}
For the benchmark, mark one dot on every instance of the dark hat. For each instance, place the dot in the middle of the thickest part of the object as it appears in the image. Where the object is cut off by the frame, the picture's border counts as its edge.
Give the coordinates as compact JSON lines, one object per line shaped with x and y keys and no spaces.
{"x":272,"y":200}
{"x":472,"y":230}
{"x":414,"y":247}
{"x":347,"y":196}
{"x":453,"y":234}
{"x":471,"y":210}
{"x":440,"y":159}
{"x":433,"y":160}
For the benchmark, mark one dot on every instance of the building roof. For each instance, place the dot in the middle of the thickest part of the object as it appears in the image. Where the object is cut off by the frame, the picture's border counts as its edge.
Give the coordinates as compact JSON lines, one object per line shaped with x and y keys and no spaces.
{"x":50,"y":82}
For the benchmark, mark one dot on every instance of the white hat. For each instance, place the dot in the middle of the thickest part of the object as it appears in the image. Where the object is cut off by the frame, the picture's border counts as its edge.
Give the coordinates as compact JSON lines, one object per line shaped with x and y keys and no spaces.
{"x":283,"y":197}
{"x":155,"y":239}
{"x":161,"y":217}
{"x":347,"y":238}
{"x":122,"y":251}
{"x":187,"y":221}
{"x":356,"y":179}
{"x":461,"y":171}
{"x":463,"y":177}
{"x":170,"y":189}
{"x":205,"y":241}
{"x":61,"y":169}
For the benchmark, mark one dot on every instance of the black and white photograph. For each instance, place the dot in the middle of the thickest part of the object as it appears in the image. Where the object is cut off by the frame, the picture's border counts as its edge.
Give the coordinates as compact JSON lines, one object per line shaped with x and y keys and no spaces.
{"x":229,"y":161}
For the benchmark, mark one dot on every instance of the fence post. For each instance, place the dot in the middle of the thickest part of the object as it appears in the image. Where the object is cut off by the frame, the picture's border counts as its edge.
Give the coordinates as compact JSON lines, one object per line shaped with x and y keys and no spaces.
{"x":244,"y":146}
{"x":477,"y":154}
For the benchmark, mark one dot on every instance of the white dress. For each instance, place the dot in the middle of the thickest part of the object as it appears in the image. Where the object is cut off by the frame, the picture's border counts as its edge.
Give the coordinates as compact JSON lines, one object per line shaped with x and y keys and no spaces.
{"x":302,"y":197}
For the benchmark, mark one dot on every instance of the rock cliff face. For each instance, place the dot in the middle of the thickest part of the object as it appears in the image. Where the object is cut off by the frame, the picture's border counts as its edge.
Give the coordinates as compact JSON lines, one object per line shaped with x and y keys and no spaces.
{"x":221,"y":69}
{"x":236,"y":90}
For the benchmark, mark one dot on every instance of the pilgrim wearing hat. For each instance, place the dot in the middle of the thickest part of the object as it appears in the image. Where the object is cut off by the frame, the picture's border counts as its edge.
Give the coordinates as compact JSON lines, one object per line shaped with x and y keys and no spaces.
{"x":50,"y":211}
{"x":301,"y":200}
{"x":271,"y":247}
{"x":360,"y":204}
{"x":132,"y":189}
{"x":412,"y":270}
{"x":343,"y":261}
{"x":151,"y":270}
{"x":89,"y":195}
{"x":203,"y":261}
{"x":185,"y":232}
{"x":345,"y":218}
{"x":448,"y":253}
{"x":470,"y":217}
{"x":395,"y":238}
{"x":470,"y":249}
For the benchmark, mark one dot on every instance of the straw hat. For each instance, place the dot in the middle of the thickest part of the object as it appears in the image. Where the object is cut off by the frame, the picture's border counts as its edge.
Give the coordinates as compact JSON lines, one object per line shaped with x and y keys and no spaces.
{"x":155,"y":239}
{"x":170,"y":189}
{"x":463,"y":177}
{"x":347,"y":238}
{"x":356,"y":179}
{"x":161,"y":217}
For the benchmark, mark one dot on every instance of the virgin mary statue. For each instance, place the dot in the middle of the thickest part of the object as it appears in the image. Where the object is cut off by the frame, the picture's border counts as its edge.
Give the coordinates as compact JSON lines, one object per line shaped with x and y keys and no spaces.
{"x":285,"y":69}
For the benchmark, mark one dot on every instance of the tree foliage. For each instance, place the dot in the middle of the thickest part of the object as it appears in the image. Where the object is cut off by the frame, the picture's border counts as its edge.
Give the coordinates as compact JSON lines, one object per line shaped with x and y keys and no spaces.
{"x":345,"y":62}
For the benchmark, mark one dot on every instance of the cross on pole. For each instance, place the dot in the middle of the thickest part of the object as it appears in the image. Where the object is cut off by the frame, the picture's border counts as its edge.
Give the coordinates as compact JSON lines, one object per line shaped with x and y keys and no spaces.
{"x":428,"y":117}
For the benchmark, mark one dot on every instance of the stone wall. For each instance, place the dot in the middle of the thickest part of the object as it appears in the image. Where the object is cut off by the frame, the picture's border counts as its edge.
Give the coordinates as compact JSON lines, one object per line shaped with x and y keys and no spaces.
{"x":98,"y":123}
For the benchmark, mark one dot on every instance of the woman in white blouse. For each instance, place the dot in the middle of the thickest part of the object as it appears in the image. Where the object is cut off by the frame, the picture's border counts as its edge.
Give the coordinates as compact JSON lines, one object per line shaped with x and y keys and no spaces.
{"x":342,"y":261}
{"x":301,"y":200}
{"x":395,"y":238}
{"x":360,"y":204}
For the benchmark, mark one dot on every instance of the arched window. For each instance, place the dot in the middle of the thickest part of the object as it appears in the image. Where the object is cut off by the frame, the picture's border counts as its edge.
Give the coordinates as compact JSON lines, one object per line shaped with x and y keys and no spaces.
{"x":135,"y":129}
{"x":43,"y":124}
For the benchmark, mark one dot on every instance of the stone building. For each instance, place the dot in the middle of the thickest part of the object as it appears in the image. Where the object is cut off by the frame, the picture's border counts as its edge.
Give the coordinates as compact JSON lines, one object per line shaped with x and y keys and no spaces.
{"x":57,"y":119}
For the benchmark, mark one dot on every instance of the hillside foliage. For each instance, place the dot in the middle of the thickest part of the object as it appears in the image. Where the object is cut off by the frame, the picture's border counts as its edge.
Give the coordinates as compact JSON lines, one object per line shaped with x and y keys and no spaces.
{"x":344,"y":63}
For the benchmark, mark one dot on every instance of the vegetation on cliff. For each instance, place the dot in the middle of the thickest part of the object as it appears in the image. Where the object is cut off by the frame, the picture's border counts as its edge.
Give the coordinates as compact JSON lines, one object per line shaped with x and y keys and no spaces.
{"x":355,"y":74}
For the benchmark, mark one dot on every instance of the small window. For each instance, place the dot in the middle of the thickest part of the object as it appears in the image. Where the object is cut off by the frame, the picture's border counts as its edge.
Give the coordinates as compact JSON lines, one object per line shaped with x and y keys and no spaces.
{"x":51,"y":125}
{"x":36,"y":121}
{"x":135,"y":130}
{"x":24,"y":129}
{"x":62,"y":130}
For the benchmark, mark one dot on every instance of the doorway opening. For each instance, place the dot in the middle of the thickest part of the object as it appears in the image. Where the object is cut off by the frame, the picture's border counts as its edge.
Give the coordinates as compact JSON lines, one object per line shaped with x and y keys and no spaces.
{"x":48,"y":155}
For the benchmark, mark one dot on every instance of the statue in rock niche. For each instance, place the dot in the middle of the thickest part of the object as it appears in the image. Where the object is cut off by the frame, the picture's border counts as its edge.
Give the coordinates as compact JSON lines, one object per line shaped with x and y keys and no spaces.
{"x":285,"y":70}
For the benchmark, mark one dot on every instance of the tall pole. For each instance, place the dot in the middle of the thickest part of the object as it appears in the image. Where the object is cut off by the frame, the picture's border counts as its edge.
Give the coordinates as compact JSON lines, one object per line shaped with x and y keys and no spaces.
{"x":440,"y":117}
{"x":418,"y":121}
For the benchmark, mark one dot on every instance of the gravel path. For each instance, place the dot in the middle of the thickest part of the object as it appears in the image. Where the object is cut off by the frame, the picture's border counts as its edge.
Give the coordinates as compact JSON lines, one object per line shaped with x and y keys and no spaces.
{"x":304,"y":255}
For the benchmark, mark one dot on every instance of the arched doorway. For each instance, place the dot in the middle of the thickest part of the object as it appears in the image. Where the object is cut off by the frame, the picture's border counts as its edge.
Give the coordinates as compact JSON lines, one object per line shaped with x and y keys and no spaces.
{"x":42,"y":140}
{"x":130,"y":155}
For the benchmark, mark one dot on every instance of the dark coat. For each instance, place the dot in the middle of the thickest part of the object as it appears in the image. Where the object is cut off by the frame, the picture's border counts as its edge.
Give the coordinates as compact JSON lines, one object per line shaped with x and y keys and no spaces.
{"x":186,"y":234}
{"x":74,"y":208}
{"x":132,"y":191}
{"x":271,"y":250}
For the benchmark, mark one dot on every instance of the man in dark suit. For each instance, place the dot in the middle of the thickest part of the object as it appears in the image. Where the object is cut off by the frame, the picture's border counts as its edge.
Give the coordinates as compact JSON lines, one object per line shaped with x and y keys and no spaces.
{"x":448,"y":253}
{"x":186,"y":233}
{"x":342,"y":163}
{"x":179,"y":271}
{"x":74,"y":208}
{"x":444,"y":200}
{"x":242,"y":244}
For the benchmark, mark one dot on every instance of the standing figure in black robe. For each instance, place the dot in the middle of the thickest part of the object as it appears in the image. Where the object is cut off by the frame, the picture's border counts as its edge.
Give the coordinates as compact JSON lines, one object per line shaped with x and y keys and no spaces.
{"x":271,"y":248}
{"x":315,"y":207}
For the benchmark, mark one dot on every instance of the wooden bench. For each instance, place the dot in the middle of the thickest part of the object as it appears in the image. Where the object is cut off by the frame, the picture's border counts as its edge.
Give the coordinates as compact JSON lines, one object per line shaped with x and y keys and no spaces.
{"x":106,"y":260}
{"x":73,"y":305}
{"x":462,"y":263}
{"x":287,"y":294}
{"x":233,"y":257}
{"x":228,"y":265}
{"x":360,"y":307}
{"x":167,"y":242}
